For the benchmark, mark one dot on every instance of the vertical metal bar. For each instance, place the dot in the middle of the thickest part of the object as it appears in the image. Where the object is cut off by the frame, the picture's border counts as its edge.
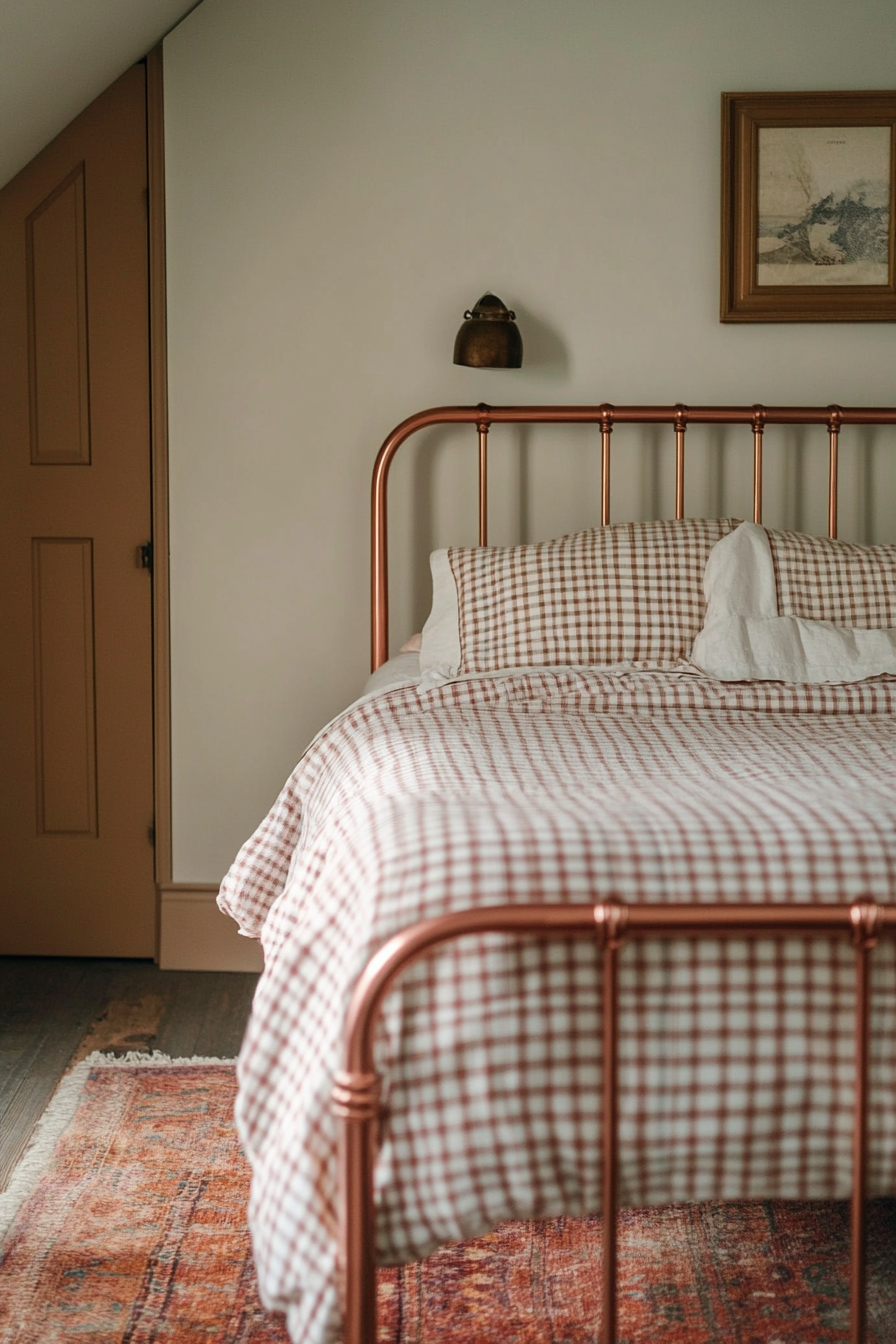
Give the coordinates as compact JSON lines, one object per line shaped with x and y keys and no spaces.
{"x":865,"y":916}
{"x":681,"y":424}
{"x":611,"y":918}
{"x":379,"y":568}
{"x":609,"y":1154}
{"x":859,"y":1154}
{"x":356,"y":1102}
{"x":483,"y":482}
{"x":834,"y":421}
{"x":757,"y":475}
{"x":606,"y":429}
{"x":758,"y":429}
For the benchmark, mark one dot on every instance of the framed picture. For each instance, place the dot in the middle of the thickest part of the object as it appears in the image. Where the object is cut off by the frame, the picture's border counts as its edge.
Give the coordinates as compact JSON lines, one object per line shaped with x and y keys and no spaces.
{"x":808,"y":197}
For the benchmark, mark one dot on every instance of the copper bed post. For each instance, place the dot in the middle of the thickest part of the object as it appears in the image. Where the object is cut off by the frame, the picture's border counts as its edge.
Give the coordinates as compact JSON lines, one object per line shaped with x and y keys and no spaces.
{"x":379,"y":555}
{"x":681,"y":424}
{"x":758,"y":429}
{"x":356,"y":1100}
{"x":834,"y":421}
{"x":482,"y":426}
{"x":606,"y":429}
{"x":610,"y":918}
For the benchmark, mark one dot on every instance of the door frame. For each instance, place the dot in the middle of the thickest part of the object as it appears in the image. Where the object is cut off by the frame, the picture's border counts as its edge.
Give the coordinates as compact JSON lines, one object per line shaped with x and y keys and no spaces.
{"x":158,"y":384}
{"x":191,"y":932}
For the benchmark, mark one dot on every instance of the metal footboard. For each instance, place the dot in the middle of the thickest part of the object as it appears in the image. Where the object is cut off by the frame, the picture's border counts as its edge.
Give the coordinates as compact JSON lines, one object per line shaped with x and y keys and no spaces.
{"x":356,"y":1092}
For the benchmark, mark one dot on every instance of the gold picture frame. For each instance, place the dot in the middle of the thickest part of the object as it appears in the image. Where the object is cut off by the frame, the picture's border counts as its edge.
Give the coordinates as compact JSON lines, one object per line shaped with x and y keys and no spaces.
{"x":808,"y":207}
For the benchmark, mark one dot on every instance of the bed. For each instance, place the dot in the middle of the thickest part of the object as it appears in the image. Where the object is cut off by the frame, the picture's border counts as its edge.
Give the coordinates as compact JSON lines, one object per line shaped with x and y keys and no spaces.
{"x":692,"y":719}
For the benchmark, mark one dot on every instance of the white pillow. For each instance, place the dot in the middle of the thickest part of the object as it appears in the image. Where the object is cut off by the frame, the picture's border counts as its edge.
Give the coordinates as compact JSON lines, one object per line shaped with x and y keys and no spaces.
{"x":745,"y":639}
{"x":401,"y":670}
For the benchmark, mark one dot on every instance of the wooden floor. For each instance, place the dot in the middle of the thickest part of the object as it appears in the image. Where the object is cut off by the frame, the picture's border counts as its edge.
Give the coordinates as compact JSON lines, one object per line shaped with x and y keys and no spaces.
{"x":56,"y":1010}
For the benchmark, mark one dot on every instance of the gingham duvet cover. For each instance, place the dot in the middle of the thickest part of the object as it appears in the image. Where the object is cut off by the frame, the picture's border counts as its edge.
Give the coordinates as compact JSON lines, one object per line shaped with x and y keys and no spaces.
{"x":569,"y":785}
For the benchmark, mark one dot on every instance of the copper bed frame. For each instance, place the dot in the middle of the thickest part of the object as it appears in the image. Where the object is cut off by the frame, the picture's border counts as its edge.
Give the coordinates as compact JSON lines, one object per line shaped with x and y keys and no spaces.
{"x":356,"y":1092}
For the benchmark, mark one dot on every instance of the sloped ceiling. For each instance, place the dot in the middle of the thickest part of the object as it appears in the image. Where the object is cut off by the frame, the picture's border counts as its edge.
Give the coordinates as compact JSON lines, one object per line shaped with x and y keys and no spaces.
{"x":56,"y":56}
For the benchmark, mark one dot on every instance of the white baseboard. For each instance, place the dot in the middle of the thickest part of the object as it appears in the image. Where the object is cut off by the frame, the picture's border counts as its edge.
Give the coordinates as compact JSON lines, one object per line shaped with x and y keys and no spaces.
{"x":196,"y":936}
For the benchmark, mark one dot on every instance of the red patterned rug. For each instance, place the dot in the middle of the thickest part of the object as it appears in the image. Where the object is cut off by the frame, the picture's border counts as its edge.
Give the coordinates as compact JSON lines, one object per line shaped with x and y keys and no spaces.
{"x":135,"y":1232}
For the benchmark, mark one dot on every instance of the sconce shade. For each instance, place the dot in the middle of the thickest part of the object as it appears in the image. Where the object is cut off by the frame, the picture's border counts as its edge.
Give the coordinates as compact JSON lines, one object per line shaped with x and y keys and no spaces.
{"x":489,"y":337}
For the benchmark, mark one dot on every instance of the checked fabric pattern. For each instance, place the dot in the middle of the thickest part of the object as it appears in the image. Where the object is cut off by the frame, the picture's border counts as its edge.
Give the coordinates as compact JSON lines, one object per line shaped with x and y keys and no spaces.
{"x":569,"y":786}
{"x":822,"y":579}
{"x":631,"y":592}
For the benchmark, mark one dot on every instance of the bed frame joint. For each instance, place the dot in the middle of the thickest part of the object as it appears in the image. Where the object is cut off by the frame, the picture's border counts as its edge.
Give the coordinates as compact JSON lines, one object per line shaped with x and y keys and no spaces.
{"x":867,"y":919}
{"x":611,"y":921}
{"x":356,"y":1096}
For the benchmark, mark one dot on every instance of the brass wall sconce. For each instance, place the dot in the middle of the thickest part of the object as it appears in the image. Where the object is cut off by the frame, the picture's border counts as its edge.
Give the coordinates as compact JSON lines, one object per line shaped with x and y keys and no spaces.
{"x":489,"y":337}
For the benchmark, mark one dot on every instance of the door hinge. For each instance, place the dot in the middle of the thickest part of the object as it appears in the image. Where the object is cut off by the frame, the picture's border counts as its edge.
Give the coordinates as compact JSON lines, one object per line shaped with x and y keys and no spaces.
{"x":144,"y":556}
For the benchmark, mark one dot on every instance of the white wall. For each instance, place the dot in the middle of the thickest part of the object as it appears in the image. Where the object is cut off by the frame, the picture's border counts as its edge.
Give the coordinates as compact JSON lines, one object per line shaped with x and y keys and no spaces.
{"x":344,"y":178}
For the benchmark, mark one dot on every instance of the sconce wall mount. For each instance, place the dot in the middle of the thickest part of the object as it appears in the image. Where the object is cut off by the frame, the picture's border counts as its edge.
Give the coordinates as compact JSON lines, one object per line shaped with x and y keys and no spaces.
{"x":489,"y":337}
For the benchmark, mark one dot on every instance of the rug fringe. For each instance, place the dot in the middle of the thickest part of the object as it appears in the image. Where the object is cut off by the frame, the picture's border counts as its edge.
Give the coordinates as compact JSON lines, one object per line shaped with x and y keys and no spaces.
{"x":57,"y":1116}
{"x":100,"y":1059}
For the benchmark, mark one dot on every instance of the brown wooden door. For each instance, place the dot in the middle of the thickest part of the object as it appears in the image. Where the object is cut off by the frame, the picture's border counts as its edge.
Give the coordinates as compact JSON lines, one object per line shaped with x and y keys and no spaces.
{"x":76,"y":797}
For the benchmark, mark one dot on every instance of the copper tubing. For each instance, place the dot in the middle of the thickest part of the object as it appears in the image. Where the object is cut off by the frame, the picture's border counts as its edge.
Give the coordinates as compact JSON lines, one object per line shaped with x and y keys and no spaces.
{"x":758,"y":428}
{"x":559,"y":415}
{"x":610,"y":918}
{"x":606,"y":429}
{"x":641,"y":921}
{"x":834,"y":422}
{"x":681,"y":424}
{"x":859,"y":1154}
{"x":355,"y":1099}
{"x":610,"y":1145}
{"x":866,"y":930}
{"x":483,"y":482}
{"x":356,"y":1091}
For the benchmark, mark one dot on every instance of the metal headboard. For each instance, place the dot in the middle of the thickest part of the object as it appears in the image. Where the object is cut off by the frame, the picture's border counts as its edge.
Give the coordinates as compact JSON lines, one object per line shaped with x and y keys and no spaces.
{"x":605,"y":415}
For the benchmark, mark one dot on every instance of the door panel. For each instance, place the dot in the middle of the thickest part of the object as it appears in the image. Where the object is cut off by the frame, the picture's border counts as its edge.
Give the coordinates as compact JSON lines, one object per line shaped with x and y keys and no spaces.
{"x":56,"y":277}
{"x":76,"y":795}
{"x":64,"y":685}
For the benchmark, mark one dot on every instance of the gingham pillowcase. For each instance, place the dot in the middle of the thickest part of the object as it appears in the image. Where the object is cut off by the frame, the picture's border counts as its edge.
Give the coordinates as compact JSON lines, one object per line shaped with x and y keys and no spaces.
{"x":627,"y":593}
{"x":820,"y":579}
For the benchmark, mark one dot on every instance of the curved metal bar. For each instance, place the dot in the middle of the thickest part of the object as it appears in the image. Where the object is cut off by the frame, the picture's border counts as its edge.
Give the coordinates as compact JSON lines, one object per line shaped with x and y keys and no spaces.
{"x":485,"y":416}
{"x":353,"y":1083}
{"x":641,"y":921}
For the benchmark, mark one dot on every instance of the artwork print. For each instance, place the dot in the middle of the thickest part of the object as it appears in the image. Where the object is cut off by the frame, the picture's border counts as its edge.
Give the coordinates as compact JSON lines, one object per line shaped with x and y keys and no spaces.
{"x":823,"y":205}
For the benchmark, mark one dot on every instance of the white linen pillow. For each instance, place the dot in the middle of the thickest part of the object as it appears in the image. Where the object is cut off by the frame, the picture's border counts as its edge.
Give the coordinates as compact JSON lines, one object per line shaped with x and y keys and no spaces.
{"x":746,"y":637}
{"x":627,"y":593}
{"x":401,"y":670}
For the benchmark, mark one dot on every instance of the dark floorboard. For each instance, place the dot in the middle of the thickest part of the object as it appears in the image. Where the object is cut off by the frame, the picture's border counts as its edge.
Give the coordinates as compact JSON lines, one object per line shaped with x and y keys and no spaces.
{"x":55,"y":1010}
